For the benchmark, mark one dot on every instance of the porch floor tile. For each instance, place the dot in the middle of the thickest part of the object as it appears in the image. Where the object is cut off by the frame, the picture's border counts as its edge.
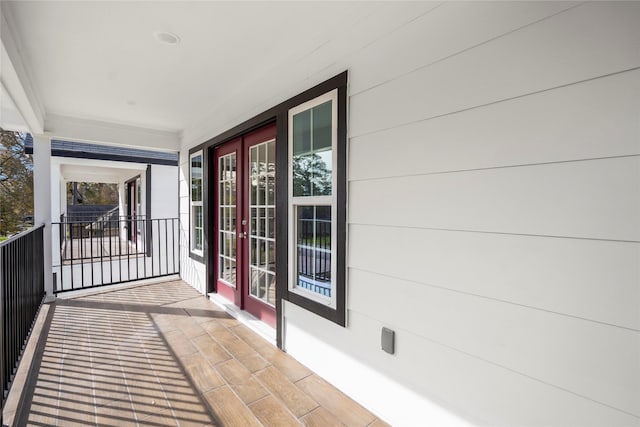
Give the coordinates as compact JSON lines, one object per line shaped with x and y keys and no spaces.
{"x":163,"y":355}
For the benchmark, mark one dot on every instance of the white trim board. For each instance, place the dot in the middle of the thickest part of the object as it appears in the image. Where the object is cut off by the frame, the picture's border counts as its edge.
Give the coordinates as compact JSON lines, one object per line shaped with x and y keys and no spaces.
{"x":250,"y":321}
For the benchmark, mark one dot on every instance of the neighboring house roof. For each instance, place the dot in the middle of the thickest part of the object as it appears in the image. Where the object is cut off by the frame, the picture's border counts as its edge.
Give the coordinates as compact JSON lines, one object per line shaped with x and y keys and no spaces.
{"x":82,"y":150}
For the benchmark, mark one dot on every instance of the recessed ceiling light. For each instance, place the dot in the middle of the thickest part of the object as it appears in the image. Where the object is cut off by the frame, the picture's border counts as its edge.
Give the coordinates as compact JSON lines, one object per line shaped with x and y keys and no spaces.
{"x":166,"y":38}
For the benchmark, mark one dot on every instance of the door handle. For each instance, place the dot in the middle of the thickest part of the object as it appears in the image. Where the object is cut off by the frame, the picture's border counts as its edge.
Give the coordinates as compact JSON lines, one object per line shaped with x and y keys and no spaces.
{"x":242,"y":235}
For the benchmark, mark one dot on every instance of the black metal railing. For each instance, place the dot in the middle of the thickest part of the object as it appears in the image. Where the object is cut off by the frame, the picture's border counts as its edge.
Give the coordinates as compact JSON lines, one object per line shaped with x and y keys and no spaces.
{"x":21,"y":294}
{"x":84,"y":239}
{"x":108,"y":251}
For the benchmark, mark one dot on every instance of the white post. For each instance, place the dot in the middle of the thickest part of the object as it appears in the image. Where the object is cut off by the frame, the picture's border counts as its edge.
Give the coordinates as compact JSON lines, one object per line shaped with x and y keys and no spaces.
{"x":42,"y":202}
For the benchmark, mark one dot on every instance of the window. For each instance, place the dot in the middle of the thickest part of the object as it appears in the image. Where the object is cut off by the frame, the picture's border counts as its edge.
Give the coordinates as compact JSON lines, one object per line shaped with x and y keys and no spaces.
{"x":313,"y":199}
{"x":197,"y":235}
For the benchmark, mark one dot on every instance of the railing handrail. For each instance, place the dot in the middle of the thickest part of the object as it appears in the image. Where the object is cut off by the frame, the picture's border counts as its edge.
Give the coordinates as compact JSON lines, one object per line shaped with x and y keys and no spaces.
{"x":100,"y":220}
{"x":21,"y":234}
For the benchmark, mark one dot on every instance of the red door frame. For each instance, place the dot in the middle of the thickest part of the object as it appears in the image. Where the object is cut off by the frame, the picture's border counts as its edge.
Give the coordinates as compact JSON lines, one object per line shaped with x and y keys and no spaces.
{"x":240,"y":294}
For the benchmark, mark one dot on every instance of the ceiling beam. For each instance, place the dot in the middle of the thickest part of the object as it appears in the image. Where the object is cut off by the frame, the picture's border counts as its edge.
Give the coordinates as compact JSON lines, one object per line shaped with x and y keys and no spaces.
{"x":94,"y":131}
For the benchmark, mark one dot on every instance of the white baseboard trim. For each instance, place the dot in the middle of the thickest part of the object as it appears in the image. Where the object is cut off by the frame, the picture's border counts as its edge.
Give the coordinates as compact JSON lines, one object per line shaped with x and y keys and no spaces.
{"x":247,"y":319}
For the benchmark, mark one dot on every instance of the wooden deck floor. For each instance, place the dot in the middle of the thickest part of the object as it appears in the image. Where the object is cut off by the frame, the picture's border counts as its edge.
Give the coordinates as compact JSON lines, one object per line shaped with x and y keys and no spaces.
{"x":163,"y":355}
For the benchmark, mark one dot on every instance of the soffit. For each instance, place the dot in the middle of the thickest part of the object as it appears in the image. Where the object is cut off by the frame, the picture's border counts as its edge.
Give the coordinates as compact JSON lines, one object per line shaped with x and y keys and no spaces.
{"x":100,"y":61}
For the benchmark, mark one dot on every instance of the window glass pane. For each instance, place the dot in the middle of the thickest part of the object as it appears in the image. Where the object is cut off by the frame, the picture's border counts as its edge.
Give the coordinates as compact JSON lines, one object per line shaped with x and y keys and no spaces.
{"x":197,"y":228}
{"x":312,"y":174}
{"x":321,"y":121}
{"x":313,"y":249}
{"x":196,"y":178}
{"x":302,"y":132}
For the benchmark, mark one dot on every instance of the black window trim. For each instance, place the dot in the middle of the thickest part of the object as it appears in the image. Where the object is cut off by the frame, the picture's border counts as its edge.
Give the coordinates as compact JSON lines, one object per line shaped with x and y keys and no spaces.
{"x":279,"y":115}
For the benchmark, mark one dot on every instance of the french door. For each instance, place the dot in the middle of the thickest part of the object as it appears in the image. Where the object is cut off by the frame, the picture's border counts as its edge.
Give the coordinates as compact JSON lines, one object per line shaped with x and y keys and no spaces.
{"x":244,"y":222}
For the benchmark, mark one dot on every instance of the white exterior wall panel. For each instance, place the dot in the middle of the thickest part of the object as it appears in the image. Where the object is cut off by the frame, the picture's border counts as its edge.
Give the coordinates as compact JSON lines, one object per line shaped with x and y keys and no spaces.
{"x":540,"y":128}
{"x":596,"y":280}
{"x":164,"y":191}
{"x":586,"y":42}
{"x":582,"y":199}
{"x":494,"y":199}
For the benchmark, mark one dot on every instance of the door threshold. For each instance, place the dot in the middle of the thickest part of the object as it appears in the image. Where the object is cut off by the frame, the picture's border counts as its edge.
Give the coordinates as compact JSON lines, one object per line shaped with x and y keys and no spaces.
{"x":246,"y":318}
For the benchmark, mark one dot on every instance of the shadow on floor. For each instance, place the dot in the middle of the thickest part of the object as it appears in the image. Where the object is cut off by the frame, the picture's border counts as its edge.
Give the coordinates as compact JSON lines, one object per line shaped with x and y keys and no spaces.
{"x":163,"y":355}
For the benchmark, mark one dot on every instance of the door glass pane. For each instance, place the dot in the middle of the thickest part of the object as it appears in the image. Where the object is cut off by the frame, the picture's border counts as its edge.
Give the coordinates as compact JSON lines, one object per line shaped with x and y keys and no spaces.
{"x":271,"y":225}
{"x":271,"y":173}
{"x":261,"y":217}
{"x":253,"y":281}
{"x":271,"y":288}
{"x":313,"y":248}
{"x":227,"y":219}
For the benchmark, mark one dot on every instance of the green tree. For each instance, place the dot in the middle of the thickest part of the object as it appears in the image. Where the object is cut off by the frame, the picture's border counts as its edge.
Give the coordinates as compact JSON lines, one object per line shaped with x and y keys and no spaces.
{"x":93,"y":193}
{"x":16,"y":182}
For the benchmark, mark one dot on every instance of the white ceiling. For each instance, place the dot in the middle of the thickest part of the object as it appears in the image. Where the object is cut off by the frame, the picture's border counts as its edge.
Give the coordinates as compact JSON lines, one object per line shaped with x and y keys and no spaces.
{"x":99,"y":60}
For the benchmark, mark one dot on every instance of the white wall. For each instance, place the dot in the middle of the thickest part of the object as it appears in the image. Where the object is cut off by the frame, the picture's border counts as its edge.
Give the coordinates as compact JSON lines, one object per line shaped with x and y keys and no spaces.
{"x":494,"y":205}
{"x":164,"y":191}
{"x":191,"y":270}
{"x":494,"y":197}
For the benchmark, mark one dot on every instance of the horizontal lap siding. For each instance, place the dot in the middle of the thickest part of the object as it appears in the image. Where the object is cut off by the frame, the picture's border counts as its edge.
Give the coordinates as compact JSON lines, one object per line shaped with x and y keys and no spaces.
{"x":590,"y":279}
{"x":494,"y":205}
{"x":588,"y":41}
{"x":595,"y":119}
{"x":586,"y":199}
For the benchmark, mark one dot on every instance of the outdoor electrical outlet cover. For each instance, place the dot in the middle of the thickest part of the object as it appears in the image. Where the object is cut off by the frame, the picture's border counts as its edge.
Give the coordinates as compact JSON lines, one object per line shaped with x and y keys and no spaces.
{"x":388,"y":340}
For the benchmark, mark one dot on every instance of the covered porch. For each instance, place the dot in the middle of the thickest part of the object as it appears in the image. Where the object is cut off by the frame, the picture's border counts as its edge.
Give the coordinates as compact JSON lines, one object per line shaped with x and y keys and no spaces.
{"x":433,"y":205}
{"x":161,"y":354}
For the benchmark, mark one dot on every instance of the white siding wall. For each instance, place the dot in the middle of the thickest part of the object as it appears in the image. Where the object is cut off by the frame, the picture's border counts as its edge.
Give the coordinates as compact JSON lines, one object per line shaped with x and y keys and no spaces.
{"x":494,"y":220}
{"x":494,"y":205}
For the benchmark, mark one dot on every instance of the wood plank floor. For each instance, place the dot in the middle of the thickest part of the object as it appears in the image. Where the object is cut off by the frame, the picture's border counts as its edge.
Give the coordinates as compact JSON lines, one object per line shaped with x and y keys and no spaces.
{"x":163,"y":355}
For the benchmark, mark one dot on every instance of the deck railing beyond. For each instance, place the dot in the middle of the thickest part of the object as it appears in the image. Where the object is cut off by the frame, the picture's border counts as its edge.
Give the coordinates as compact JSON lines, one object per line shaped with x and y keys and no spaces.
{"x":21,"y":294}
{"x":114,"y":250}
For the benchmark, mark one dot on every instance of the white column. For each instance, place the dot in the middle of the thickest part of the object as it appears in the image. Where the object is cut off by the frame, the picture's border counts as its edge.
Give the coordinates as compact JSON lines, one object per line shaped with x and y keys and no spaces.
{"x":55,"y":177}
{"x":63,"y":196}
{"x":42,"y":202}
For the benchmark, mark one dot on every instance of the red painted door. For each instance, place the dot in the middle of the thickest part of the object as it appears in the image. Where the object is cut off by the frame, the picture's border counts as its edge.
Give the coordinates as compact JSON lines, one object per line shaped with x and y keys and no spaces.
{"x":244,"y":186}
